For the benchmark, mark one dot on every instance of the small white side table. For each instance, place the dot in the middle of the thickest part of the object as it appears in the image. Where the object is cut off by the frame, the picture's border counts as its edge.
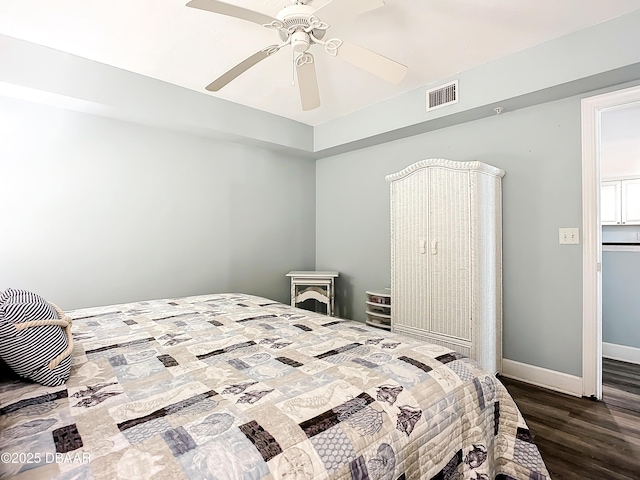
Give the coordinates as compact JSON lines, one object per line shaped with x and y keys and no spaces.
{"x":318,"y":286}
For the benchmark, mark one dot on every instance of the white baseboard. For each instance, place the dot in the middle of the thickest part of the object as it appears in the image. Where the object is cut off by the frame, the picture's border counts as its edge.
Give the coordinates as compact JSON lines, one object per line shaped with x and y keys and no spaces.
{"x":542,"y":377}
{"x":621,"y":352}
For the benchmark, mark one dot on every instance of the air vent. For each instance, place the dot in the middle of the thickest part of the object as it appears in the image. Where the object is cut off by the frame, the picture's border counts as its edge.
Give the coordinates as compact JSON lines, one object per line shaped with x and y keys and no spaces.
{"x":442,"y":95}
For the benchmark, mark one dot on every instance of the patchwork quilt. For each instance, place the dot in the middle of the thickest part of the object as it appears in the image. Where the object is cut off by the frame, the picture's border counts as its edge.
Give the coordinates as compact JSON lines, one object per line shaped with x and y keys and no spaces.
{"x":233,"y":386}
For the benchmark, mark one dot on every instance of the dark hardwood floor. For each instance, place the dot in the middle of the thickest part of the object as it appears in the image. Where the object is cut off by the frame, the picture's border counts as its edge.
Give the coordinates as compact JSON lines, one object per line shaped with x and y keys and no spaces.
{"x":585,"y":439}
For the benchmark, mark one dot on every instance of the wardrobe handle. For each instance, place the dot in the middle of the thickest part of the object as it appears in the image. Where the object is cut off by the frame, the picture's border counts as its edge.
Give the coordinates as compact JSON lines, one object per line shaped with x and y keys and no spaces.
{"x":423,"y":245}
{"x":434,"y":247}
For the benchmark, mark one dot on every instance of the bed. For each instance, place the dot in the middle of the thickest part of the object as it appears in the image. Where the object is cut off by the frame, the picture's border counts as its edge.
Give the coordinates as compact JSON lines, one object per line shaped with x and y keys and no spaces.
{"x":234,"y":386}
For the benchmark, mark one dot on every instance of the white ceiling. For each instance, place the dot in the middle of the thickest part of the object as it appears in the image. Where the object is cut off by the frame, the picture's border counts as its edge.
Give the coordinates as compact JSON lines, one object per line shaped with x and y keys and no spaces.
{"x":164,"y":39}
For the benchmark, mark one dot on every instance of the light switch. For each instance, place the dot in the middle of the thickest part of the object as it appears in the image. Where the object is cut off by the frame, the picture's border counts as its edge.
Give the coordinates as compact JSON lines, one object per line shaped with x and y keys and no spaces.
{"x":569,"y":236}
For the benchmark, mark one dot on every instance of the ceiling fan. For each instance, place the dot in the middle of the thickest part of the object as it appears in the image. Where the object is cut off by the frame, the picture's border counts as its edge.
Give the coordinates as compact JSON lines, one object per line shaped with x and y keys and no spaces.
{"x":299,"y":25}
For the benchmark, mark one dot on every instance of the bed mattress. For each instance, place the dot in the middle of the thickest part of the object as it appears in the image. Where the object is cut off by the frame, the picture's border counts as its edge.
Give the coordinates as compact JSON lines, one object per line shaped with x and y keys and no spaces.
{"x":234,"y":386}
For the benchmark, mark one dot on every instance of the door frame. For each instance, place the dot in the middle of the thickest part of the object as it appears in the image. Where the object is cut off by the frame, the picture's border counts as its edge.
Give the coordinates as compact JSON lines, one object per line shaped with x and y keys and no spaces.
{"x":592,"y":108}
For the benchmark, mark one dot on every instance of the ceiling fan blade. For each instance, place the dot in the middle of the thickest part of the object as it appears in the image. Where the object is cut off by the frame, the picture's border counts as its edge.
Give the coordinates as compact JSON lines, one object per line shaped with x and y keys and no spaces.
{"x":307,"y":81}
{"x":223,"y":8}
{"x":346,"y":8}
{"x":242,"y":67}
{"x":372,"y":62}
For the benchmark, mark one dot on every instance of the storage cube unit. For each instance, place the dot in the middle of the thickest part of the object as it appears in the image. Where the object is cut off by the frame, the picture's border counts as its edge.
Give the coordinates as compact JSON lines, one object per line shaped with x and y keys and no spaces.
{"x":379,"y":308}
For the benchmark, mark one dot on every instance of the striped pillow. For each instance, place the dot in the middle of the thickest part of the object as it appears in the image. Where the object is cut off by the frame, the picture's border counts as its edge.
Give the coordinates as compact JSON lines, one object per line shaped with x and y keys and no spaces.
{"x":29,"y":351}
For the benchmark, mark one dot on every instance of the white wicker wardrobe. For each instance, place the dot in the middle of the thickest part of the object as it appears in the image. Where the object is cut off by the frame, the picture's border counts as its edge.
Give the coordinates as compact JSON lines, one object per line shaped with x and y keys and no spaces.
{"x":446,"y":256}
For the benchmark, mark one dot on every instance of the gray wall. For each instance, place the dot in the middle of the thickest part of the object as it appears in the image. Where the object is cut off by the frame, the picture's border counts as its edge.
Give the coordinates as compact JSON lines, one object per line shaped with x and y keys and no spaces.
{"x":548,"y":71}
{"x":98,"y":211}
{"x":539,"y":148}
{"x":83,"y":85}
{"x":620,"y":299}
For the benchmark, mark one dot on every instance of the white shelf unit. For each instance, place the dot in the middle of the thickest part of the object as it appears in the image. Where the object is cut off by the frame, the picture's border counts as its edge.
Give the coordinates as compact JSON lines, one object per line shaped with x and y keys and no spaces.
{"x":379,"y":308}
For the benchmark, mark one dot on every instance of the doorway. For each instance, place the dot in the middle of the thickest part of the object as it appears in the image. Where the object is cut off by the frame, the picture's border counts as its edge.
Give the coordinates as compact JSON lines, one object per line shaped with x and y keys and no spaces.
{"x":593,"y":109}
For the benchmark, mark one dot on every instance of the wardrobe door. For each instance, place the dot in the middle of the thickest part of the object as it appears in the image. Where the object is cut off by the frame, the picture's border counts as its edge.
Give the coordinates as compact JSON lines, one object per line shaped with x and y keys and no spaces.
{"x":409,"y":245}
{"x":449,"y":269}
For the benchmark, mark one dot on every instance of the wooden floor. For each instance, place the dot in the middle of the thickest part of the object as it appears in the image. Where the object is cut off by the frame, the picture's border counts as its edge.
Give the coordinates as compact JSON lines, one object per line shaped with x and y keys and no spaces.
{"x":585,"y":439}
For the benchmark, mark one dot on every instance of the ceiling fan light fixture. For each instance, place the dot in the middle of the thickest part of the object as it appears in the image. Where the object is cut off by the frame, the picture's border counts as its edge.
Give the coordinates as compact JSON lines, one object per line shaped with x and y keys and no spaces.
{"x":300,"y":42}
